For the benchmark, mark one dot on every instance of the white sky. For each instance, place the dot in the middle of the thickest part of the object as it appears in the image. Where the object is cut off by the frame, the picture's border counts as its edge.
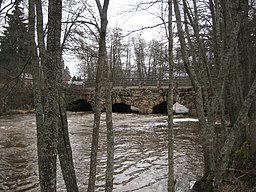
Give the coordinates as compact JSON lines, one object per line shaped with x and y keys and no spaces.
{"x":119,"y":15}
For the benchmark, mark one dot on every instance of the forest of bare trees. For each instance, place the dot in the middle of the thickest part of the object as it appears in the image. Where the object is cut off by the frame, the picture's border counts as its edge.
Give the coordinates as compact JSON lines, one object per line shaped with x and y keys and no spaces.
{"x":213,"y":42}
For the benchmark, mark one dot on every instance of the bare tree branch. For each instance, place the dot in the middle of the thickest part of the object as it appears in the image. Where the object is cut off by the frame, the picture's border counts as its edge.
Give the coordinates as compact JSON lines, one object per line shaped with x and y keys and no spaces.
{"x":144,"y":28}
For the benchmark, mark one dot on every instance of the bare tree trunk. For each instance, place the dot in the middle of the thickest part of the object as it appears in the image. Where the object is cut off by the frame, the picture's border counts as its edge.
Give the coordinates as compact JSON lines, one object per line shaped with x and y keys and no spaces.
{"x":50,"y":140}
{"x":40,"y":37}
{"x":171,"y":181}
{"x":109,"y":72}
{"x":110,"y":138}
{"x":98,"y":90}
{"x":36,"y":86}
{"x":64,"y":148}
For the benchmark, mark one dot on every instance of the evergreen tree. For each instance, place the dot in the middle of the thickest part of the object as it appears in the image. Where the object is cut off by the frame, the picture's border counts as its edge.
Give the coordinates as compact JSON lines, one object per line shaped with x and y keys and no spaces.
{"x":66,"y":74}
{"x":73,"y":78}
{"x":14,"y":45}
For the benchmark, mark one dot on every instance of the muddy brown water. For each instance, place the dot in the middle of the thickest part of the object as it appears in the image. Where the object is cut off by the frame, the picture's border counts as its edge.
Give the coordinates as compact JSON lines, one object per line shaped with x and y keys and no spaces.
{"x":140,"y":153}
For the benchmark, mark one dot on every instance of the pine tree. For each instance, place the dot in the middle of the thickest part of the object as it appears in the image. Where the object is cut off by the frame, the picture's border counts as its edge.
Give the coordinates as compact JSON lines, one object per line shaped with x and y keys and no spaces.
{"x":66,"y":74}
{"x":14,"y":45}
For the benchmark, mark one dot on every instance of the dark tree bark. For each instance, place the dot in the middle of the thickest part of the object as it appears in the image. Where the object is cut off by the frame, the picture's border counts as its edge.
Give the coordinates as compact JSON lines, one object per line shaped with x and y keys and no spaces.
{"x":64,"y":148}
{"x":110,"y":137}
{"x":36,"y":85}
{"x":171,"y":181}
{"x":98,"y":90}
{"x":52,"y":65}
{"x":109,"y":72}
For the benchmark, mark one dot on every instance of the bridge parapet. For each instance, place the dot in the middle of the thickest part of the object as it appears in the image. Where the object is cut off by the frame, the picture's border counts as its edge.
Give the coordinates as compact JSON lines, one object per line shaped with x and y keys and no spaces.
{"x":137,"y":82}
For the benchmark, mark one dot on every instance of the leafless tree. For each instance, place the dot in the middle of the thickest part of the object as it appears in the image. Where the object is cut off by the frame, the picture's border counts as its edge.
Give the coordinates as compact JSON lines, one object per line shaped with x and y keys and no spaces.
{"x":171,"y":180}
{"x":99,"y":82}
{"x":210,"y":78}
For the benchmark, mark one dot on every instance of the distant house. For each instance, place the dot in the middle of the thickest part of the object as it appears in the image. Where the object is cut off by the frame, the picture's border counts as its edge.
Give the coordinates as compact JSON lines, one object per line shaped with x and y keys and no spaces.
{"x":27,"y":78}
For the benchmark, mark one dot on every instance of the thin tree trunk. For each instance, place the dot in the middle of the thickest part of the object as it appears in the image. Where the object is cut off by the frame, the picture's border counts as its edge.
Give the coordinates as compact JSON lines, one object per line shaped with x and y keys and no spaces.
{"x":98,"y":90}
{"x":95,"y":134}
{"x":110,"y":139}
{"x":40,"y":37}
{"x":36,"y":86}
{"x":171,"y":181}
{"x":110,"y":131}
{"x":64,"y":149}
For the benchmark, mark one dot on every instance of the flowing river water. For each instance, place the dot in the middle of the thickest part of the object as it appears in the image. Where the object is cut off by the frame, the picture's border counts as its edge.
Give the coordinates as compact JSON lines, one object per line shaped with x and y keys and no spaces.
{"x":140,"y":152}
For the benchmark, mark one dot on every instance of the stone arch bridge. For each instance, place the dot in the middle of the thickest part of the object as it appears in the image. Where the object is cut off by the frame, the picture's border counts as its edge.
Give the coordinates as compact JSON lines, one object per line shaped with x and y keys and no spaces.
{"x":145,"y":96}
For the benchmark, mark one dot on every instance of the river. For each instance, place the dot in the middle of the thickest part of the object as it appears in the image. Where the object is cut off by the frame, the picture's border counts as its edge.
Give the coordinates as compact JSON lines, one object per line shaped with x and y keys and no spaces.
{"x":140,"y":152}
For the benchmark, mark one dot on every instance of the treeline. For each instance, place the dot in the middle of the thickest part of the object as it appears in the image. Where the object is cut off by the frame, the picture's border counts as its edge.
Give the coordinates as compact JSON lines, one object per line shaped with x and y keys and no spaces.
{"x":127,"y":57}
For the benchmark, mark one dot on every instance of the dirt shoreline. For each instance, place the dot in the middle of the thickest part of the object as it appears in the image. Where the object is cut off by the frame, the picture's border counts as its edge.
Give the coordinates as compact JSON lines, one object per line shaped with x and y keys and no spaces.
{"x":17,"y":111}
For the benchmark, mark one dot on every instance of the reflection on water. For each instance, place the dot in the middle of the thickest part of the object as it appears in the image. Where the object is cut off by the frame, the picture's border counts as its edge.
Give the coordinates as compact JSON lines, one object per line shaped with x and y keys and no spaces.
{"x":140,"y":153}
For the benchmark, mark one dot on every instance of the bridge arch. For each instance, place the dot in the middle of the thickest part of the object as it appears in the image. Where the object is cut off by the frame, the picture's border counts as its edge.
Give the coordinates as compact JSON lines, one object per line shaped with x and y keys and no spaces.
{"x":124,"y":108}
{"x":79,"y":105}
{"x":160,"y":108}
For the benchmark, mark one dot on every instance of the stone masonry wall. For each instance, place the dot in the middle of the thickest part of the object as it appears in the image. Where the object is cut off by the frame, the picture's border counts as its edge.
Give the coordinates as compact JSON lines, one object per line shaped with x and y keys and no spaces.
{"x":144,"y":98}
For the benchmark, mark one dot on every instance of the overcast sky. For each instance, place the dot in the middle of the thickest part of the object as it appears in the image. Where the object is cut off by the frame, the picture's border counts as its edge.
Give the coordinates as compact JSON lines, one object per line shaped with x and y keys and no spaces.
{"x":123,"y":14}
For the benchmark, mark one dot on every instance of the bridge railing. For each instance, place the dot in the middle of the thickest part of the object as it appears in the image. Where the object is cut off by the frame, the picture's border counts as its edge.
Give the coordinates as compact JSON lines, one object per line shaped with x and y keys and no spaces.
{"x":137,"y":82}
{"x":150,"y":82}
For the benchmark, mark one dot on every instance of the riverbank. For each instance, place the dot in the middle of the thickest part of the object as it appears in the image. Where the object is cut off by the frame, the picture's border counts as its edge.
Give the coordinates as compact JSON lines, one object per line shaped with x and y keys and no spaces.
{"x":241,"y":175}
{"x":17,"y":111}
